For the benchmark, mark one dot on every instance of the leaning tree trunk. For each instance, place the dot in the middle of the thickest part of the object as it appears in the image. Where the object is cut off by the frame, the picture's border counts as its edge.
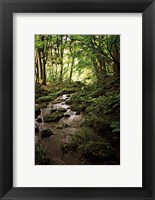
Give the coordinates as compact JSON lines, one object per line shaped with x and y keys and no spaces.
{"x":71,"y":70}
{"x":44,"y":73}
{"x":36,"y":70}
{"x":40,"y":65}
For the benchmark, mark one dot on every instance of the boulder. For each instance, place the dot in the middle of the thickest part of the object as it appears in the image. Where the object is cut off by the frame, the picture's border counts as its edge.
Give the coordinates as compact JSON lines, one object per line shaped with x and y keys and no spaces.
{"x":43,"y":105}
{"x":78,"y":107}
{"x":54,"y":117}
{"x":46,"y":133}
{"x":67,"y":95}
{"x":62,"y":109}
{"x":66,"y":115}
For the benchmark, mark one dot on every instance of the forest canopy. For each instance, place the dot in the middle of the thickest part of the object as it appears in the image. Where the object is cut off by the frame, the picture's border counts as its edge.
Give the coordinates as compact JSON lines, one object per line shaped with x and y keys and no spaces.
{"x":69,"y":58}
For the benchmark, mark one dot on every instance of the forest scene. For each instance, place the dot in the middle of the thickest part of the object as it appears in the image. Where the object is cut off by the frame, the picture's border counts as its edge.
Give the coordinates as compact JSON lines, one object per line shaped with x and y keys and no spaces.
{"x":77,"y":99}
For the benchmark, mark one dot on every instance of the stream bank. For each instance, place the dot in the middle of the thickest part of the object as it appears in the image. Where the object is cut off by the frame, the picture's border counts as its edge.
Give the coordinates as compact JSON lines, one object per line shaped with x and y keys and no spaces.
{"x":61,"y":129}
{"x":77,"y":127}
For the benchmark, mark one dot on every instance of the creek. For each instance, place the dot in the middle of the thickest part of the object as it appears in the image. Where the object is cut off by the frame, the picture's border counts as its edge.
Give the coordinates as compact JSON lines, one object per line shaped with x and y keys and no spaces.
{"x":62,"y":130}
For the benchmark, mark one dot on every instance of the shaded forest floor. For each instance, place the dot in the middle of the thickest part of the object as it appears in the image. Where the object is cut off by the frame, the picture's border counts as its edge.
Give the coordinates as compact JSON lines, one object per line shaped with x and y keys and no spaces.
{"x":78,"y":124}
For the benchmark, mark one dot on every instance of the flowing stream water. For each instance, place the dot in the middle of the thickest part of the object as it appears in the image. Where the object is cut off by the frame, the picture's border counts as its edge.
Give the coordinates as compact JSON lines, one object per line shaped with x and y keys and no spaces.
{"x":62,"y":130}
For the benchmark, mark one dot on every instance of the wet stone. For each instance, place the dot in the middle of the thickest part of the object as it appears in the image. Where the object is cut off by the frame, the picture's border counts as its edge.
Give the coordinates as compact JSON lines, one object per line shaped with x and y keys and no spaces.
{"x":37,"y":111}
{"x":46,"y":133}
{"x":78,"y":113}
{"x":39,"y":120}
{"x":67,"y":115}
{"x":36,"y":128}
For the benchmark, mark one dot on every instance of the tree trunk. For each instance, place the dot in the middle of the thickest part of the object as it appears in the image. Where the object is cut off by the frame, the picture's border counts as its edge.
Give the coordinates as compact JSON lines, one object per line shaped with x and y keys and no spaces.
{"x":71,"y":70}
{"x":39,"y":65}
{"x":44,"y":73}
{"x":36,"y":70}
{"x":61,"y":61}
{"x":116,"y":62}
{"x":52,"y":71}
{"x":116,"y":68}
{"x":101,"y":64}
{"x":56,"y":71}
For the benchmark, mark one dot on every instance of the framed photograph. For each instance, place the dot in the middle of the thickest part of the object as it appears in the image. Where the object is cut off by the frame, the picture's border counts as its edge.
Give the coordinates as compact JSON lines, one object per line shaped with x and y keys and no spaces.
{"x":77,"y":99}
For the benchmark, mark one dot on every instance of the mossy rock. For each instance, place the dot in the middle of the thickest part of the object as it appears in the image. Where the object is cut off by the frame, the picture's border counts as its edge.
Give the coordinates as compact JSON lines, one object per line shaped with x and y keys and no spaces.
{"x":57,"y":101}
{"x":54,"y":117}
{"x":78,"y":107}
{"x":64,"y":125}
{"x":44,"y":99}
{"x":62,"y":110}
{"x":46,"y":133}
{"x":66,"y":91}
{"x":43,"y":105}
{"x":69,"y":102}
{"x":53,"y":110}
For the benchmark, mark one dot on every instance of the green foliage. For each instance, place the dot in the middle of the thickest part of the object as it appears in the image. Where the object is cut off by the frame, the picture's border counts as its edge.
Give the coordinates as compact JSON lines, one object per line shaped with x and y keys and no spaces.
{"x":99,"y":151}
{"x":105,"y":104}
{"x":39,"y":44}
{"x":78,"y":140}
{"x":78,"y":57}
{"x":41,"y":157}
{"x":115,"y":127}
{"x":44,"y":99}
{"x":91,"y":146}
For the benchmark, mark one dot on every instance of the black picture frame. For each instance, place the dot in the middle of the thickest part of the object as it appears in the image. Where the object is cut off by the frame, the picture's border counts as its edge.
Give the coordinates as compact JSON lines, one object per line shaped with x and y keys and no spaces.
{"x":7,"y":8}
